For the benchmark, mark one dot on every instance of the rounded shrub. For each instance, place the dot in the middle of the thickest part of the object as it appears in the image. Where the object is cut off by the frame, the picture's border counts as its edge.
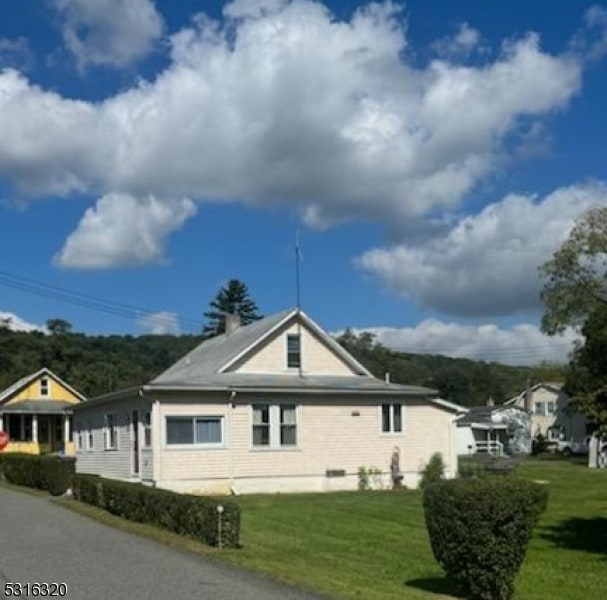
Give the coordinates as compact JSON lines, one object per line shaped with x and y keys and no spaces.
{"x":479,"y":530}
{"x":434,"y":471}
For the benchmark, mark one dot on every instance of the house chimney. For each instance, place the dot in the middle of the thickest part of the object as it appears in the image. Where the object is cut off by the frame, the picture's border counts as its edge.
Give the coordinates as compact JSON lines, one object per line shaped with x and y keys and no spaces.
{"x":490,"y":401}
{"x":387,"y":377}
{"x":527,"y":401}
{"x":232,"y":322}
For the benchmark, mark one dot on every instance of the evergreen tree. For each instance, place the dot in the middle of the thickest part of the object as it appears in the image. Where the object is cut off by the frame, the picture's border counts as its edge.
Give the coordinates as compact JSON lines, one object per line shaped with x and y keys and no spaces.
{"x":232,"y":298}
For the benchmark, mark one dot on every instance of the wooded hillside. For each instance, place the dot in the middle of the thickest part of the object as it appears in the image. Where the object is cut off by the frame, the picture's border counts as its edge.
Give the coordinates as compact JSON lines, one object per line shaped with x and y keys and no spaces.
{"x":96,"y":365}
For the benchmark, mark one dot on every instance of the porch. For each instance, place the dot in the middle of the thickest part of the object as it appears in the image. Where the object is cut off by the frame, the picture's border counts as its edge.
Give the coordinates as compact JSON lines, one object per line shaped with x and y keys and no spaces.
{"x":38,"y":427}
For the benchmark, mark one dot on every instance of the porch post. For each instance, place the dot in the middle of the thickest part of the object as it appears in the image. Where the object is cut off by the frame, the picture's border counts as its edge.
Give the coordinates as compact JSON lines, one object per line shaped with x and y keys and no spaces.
{"x":66,"y":431}
{"x":35,"y":428}
{"x":1,"y":422}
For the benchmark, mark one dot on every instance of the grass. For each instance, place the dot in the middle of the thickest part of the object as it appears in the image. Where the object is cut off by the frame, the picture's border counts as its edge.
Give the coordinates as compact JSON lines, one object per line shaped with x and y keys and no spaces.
{"x":373,"y":545}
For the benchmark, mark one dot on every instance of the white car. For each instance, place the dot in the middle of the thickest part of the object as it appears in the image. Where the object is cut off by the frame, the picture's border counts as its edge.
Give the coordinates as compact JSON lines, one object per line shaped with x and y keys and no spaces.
{"x":571,"y":447}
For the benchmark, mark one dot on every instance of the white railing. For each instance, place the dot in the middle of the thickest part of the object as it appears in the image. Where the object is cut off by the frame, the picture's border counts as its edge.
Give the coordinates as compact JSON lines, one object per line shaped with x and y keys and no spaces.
{"x":492,"y":447}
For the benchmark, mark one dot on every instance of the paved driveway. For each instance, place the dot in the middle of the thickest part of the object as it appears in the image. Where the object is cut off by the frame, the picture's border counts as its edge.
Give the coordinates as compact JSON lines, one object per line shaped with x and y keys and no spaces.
{"x":43,"y":542}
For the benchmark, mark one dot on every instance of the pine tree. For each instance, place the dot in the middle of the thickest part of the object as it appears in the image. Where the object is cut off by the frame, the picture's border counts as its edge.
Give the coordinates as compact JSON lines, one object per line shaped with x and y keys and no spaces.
{"x":232,"y":298}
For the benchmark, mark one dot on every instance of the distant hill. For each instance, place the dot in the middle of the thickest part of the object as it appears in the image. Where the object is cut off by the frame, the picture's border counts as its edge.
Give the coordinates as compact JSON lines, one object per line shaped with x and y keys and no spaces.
{"x":97,"y":365}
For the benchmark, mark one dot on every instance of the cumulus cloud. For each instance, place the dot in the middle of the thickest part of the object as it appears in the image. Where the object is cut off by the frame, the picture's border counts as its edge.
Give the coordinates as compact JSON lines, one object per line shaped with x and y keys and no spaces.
{"x":486,"y":264}
{"x":282,"y":103}
{"x":461,"y":44}
{"x":523,"y":344}
{"x":16,"y":323}
{"x":160,"y":323}
{"x":123,"y":230}
{"x":114,"y":33}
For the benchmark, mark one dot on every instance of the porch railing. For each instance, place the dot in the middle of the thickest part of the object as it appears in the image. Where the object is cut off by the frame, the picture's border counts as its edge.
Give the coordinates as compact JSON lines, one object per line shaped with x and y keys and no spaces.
{"x":492,"y":447}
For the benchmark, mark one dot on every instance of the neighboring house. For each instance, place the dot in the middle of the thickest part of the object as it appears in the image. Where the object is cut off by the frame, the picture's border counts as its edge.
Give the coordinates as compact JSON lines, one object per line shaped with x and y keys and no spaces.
{"x":552,"y":413}
{"x":36,"y":412}
{"x":494,"y":429}
{"x":273,"y":406}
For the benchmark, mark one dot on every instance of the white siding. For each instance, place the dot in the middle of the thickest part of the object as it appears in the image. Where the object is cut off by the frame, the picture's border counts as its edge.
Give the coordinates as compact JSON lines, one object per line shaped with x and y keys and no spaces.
{"x":342,"y":434}
{"x":316,"y":357}
{"x":116,"y":463}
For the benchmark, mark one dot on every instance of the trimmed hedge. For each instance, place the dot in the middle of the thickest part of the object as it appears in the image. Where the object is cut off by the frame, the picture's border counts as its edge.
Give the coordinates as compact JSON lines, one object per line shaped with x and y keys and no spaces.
{"x":48,"y":473}
{"x":185,"y":514}
{"x":479,"y":530}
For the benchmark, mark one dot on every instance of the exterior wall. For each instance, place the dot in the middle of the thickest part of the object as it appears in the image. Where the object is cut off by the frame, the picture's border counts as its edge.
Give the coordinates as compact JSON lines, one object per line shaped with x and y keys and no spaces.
{"x":339,"y":435}
{"x":465,"y":438}
{"x":572,"y":422}
{"x":316,"y":357}
{"x":22,"y":448}
{"x":56,"y":392}
{"x":116,"y":463}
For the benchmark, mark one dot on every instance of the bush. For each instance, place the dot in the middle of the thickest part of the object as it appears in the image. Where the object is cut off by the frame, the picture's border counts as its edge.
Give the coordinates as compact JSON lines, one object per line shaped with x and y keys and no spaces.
{"x":42,"y":472}
{"x":434,"y":471}
{"x":195,"y":516}
{"x":539,"y":444}
{"x":479,"y":530}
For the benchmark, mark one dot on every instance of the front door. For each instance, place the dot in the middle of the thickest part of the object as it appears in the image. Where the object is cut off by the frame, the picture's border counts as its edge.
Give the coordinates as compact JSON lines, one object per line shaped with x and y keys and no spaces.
{"x":135,"y":438}
{"x":44,"y":433}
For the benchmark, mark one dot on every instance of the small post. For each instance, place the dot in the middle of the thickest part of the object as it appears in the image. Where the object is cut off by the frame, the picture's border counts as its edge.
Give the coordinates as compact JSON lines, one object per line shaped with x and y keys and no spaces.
{"x":219,"y":513}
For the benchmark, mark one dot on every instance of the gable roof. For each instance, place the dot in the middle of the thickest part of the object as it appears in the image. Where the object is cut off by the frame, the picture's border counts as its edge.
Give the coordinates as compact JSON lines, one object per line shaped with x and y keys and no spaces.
{"x":554,"y":386}
{"x":25,"y":381}
{"x":218,"y":354}
{"x":483,"y":414}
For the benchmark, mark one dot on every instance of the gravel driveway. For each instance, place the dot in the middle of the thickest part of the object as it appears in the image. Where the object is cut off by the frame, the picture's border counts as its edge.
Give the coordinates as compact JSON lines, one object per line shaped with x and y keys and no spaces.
{"x":42,"y":542}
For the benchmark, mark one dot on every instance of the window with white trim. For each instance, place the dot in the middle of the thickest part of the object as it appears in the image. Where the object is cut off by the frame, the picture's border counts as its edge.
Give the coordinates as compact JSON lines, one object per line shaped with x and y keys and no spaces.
{"x":540,"y":408}
{"x":110,"y":432}
{"x":391,"y":417}
{"x":293,"y":351}
{"x":274,"y":425}
{"x":44,"y":387}
{"x":550,"y":408}
{"x":147,"y":429}
{"x":194,"y":431}
{"x":90,"y":440}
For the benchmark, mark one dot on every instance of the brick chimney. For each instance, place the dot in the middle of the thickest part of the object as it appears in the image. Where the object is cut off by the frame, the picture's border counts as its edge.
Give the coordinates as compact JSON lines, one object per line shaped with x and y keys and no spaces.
{"x":232,"y":322}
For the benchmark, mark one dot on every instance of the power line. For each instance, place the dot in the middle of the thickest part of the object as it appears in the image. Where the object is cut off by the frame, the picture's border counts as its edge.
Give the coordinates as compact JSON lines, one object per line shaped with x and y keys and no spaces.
{"x":87,"y":301}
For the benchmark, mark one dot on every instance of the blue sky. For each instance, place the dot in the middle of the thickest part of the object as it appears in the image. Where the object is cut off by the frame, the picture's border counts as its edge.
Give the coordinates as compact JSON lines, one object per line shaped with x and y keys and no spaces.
{"x":432,"y":154}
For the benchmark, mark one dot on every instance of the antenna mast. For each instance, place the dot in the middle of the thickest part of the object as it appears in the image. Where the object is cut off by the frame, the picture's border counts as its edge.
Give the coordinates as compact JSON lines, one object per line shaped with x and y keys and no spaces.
{"x":297,"y":276}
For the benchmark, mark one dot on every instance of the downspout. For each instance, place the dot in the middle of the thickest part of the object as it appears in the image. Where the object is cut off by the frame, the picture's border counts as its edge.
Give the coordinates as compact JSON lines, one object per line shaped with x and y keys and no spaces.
{"x":231,"y":398}
{"x":156,"y":444}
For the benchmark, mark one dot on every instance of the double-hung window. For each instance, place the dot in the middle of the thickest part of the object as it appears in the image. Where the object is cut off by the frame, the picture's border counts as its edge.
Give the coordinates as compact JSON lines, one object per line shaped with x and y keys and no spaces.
{"x":110,"y":432}
{"x":274,"y":425}
{"x":147,"y":429}
{"x":293,"y":351}
{"x":44,"y":387}
{"x":550,"y":408}
{"x":540,"y":408}
{"x":391,"y":417}
{"x":194,"y":431}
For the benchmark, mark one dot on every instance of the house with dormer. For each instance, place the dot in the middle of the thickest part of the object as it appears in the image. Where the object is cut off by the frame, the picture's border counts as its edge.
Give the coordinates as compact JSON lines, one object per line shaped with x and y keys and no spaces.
{"x":36,"y":413}
{"x":274,"y":406}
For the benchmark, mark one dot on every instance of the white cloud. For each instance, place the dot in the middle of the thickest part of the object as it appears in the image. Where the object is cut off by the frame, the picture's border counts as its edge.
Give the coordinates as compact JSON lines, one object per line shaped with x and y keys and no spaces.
{"x":117,"y":33}
{"x":123,"y":230}
{"x":160,"y":323}
{"x":487,"y":263}
{"x":281,"y":103}
{"x":523,"y":344}
{"x":15,"y":323}
{"x":461,"y":44}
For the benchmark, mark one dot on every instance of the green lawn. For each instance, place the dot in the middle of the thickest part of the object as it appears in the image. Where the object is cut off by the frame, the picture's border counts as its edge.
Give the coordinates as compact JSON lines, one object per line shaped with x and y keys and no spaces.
{"x":374,"y":545}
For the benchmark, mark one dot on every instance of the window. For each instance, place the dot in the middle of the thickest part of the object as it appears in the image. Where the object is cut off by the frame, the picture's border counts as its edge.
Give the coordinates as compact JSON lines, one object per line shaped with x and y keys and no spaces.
{"x":44,"y":388}
{"x":274,"y":425}
{"x":540,"y":408}
{"x":194,"y":431}
{"x":550,"y":408}
{"x":293,"y":351}
{"x":90,"y":439}
{"x":391,"y":417}
{"x":19,"y":427}
{"x":110,"y":432}
{"x":147,"y":429}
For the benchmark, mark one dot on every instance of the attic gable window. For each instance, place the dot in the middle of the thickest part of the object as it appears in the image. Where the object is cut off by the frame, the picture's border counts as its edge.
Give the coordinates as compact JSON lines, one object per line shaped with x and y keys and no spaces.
{"x":44,"y":387}
{"x":293,"y":351}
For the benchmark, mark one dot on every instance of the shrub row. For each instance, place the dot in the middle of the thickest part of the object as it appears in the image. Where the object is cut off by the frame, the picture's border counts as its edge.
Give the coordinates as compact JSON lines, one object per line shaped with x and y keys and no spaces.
{"x":42,"y":472}
{"x":195,"y":516}
{"x":479,"y":530}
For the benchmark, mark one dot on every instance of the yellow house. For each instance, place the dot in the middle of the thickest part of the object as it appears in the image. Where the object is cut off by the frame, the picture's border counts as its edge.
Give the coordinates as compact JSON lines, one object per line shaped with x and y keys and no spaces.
{"x":36,"y":412}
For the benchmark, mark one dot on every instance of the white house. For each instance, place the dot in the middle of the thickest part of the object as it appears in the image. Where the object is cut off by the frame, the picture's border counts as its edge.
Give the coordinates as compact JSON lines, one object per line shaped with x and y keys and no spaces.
{"x":273,"y":406}
{"x":552,"y":413}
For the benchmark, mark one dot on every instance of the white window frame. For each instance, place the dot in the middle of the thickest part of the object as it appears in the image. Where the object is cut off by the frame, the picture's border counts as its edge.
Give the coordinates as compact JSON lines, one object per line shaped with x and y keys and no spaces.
{"x":391,"y":404}
{"x":295,"y":335}
{"x":47,"y":387}
{"x":536,"y":409}
{"x":195,"y":444}
{"x":147,"y":429}
{"x":275,"y":425}
{"x":110,"y":431}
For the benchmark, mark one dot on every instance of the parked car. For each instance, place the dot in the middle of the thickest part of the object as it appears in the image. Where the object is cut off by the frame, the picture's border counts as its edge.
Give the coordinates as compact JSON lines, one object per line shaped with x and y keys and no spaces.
{"x":571,"y":447}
